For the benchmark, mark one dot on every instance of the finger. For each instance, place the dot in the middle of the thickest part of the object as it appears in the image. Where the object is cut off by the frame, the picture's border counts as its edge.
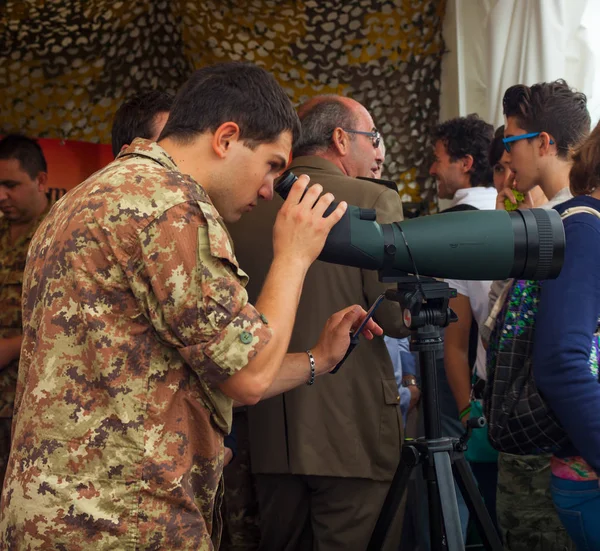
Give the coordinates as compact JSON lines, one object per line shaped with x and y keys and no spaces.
{"x":298,"y":189}
{"x":336,"y":215}
{"x":509,"y":193}
{"x":311,"y":196}
{"x":323,"y":204}
{"x":350,"y":319}
{"x":373,"y":327}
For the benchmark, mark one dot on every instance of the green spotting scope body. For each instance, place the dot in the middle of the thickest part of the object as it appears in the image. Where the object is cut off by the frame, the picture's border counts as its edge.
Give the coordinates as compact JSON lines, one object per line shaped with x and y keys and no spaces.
{"x":472,"y":245}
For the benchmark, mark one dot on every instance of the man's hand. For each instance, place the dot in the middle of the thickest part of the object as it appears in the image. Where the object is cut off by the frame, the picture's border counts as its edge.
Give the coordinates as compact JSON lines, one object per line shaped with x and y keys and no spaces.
{"x":300,"y":230}
{"x":10,"y":348}
{"x":415,"y":396}
{"x":335,"y":337}
{"x":228,"y":456}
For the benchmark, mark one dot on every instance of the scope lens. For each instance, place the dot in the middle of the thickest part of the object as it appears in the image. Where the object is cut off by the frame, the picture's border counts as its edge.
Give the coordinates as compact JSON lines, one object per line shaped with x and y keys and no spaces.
{"x":539,"y":243}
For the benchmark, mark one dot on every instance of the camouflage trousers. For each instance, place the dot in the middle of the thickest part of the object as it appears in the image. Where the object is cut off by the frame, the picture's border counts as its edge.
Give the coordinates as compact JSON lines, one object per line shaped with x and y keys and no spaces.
{"x":240,"y":510}
{"x":526,"y":514}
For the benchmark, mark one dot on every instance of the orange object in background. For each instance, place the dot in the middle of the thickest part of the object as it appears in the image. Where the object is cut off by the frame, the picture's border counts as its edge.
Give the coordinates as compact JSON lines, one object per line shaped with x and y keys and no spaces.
{"x":71,"y":162}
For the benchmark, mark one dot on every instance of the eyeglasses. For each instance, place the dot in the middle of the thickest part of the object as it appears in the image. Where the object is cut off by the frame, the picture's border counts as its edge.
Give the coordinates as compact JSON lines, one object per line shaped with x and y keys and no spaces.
{"x":374,"y":135}
{"x":508,"y":141}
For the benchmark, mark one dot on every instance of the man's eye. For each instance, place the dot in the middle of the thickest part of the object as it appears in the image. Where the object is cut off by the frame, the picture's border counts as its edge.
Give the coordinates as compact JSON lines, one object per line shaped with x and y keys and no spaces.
{"x":499,"y":169}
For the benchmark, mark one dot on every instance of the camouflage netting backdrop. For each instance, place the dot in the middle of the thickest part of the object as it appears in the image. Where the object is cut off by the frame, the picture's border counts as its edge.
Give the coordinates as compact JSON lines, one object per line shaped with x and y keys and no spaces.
{"x":67,"y":65}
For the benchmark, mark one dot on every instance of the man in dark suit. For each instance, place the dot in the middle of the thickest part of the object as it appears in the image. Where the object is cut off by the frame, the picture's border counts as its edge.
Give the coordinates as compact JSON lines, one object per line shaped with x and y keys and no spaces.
{"x":325,"y":454}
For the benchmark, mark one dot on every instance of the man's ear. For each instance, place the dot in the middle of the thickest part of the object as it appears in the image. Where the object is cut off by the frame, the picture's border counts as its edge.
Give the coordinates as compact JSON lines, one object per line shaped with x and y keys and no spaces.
{"x":223,"y":137}
{"x":466,"y":163}
{"x":545,"y":145}
{"x":341,"y":141}
{"x":42,"y":181}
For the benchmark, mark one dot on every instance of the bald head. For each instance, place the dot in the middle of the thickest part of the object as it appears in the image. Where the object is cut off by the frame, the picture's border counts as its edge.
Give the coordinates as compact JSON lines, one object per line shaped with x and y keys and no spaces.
{"x":332,"y":128}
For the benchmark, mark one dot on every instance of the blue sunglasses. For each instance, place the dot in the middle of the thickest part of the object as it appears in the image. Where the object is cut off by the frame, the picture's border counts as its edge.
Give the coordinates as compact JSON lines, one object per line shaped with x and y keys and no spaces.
{"x":508,"y":141}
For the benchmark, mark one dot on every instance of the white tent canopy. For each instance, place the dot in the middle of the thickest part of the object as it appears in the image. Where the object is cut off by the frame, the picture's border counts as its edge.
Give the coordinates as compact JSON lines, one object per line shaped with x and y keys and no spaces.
{"x":493,"y":44}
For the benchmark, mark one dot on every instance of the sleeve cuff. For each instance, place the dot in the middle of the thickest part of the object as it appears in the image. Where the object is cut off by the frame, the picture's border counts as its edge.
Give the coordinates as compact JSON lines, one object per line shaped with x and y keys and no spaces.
{"x":232,"y":349}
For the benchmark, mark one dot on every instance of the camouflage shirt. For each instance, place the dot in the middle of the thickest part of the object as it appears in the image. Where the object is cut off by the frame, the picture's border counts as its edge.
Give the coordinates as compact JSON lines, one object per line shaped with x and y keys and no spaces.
{"x":134,"y":310}
{"x":12,"y":265}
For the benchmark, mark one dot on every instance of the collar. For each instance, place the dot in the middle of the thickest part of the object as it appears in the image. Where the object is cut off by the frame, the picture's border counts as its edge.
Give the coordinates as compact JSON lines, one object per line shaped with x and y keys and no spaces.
{"x":313,"y":161}
{"x":387,"y":183}
{"x":151,"y":150}
{"x":462,"y":195}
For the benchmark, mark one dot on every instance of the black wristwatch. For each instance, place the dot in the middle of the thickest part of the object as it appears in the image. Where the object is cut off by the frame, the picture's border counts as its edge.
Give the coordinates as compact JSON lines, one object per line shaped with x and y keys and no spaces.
{"x":409,"y":380}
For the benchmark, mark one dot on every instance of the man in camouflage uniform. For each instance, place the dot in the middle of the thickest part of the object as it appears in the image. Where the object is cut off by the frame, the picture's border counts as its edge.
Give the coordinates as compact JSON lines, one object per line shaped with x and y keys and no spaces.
{"x":23,"y":203}
{"x":138,"y":333}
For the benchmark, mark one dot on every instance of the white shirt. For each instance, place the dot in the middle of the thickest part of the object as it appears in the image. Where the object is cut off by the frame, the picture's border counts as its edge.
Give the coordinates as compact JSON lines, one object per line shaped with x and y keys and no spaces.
{"x":563,"y":195}
{"x":482,"y":198}
{"x":477,"y":292}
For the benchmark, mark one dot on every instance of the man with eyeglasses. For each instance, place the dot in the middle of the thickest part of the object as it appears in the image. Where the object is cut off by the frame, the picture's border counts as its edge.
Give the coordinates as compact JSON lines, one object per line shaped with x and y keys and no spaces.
{"x":324,"y":455}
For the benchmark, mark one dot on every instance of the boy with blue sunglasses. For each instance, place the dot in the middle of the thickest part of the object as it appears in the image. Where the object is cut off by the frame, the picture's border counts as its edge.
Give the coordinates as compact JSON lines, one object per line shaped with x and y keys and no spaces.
{"x":543,"y":122}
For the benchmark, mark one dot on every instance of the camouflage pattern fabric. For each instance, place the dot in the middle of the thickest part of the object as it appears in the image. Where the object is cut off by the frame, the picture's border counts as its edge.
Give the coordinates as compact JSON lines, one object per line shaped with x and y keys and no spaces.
{"x":525,"y":510}
{"x":134,"y":311}
{"x":12,"y":265}
{"x":241,"y":528}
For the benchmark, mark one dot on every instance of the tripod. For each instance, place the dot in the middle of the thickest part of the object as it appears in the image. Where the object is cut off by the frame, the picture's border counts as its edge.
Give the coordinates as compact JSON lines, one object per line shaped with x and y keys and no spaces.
{"x":424,"y":302}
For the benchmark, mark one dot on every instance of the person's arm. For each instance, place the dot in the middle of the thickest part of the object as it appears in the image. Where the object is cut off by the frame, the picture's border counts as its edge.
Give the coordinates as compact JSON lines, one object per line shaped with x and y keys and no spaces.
{"x":331,"y":348}
{"x":564,"y":327}
{"x":298,"y":237}
{"x":10,"y":349}
{"x":409,"y":373}
{"x":456,"y":351}
{"x":184,"y":275}
{"x":388,"y":314}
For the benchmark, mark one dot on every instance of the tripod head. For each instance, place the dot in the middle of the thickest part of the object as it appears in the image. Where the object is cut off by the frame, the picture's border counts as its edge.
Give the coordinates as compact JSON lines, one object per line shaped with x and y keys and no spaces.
{"x":424,"y":300}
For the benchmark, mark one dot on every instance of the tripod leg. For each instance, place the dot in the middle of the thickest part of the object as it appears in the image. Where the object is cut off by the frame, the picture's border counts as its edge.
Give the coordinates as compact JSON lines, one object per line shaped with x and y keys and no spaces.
{"x":445,"y":480}
{"x":410,"y":457}
{"x":474,"y":501}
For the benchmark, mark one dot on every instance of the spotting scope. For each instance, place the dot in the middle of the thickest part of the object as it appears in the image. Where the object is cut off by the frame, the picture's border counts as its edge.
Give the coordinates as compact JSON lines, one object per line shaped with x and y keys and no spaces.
{"x":476,"y":245}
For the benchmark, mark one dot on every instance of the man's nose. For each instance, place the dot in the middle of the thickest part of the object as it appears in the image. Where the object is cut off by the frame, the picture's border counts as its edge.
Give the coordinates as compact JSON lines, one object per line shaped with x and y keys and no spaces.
{"x":432,"y":170}
{"x":266,"y":192}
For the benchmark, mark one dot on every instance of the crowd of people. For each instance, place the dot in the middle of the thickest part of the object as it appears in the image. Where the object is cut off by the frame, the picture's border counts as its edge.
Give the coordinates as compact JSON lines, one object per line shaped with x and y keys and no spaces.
{"x":166,"y":331}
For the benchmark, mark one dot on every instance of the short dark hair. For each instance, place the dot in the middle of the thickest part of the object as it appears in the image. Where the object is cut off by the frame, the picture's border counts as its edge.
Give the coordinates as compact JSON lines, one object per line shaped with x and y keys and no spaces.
{"x":551,"y":107}
{"x":235,"y":91}
{"x":135,"y":118}
{"x":584,"y":177}
{"x":468,"y":135}
{"x":496,"y":147}
{"x":318,"y":123}
{"x":27,"y":151}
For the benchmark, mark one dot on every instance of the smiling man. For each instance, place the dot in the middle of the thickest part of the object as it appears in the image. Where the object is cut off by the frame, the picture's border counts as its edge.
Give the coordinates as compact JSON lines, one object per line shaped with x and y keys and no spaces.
{"x":460,"y":164}
{"x":138,"y":333}
{"x":23,"y":203}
